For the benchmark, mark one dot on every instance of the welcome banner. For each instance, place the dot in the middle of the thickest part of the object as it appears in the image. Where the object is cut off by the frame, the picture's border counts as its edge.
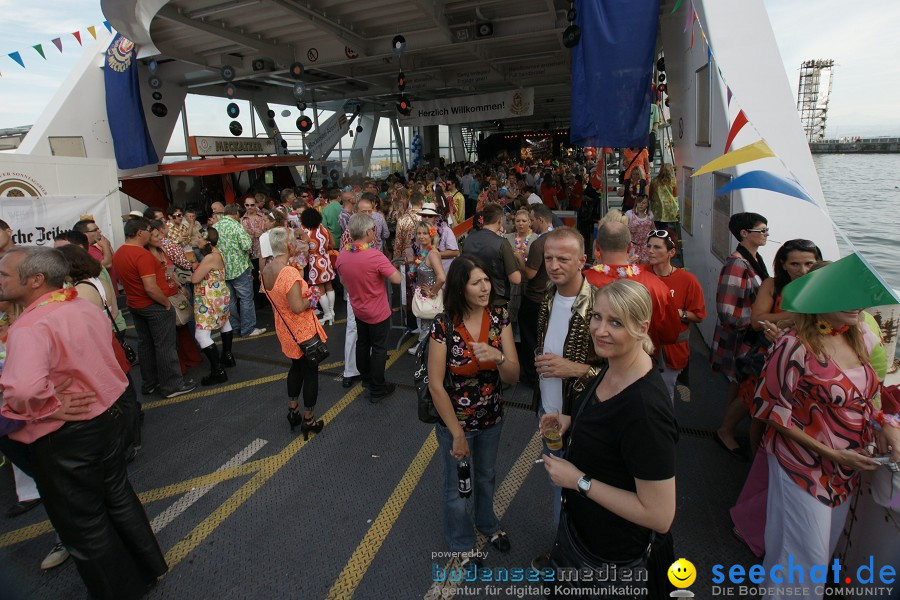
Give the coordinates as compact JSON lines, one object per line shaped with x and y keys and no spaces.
{"x":469,"y":109}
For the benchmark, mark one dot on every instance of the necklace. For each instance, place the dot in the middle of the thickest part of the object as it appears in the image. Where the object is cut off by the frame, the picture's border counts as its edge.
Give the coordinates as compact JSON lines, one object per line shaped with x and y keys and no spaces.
{"x":65,"y":295}
{"x":420,"y":257}
{"x":825,"y":328}
{"x":671,"y":270}
{"x":356,"y":247}
{"x":622,"y":271}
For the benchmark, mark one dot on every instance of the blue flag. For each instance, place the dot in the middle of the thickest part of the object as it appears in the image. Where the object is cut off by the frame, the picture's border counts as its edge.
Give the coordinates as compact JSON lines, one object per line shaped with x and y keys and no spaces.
{"x":611,"y":71}
{"x":124,"y":111}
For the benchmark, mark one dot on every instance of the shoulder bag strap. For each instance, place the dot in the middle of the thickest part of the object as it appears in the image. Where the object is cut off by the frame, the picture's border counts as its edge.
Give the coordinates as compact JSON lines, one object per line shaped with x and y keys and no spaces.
{"x":105,"y":305}
{"x":275,"y":306}
{"x":632,"y":161}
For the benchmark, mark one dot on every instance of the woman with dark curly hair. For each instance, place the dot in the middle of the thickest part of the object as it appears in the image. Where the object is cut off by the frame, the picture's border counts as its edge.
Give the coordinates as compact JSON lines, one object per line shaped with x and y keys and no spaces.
{"x":320,"y":273}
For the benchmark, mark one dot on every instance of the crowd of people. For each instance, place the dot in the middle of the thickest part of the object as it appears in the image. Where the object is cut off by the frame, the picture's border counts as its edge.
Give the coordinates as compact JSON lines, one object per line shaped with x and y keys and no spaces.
{"x":597,"y":324}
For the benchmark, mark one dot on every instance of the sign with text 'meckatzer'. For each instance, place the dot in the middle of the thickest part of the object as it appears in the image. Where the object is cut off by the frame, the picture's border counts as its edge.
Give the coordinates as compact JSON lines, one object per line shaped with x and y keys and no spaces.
{"x":468,"y":109}
{"x":202,"y":145}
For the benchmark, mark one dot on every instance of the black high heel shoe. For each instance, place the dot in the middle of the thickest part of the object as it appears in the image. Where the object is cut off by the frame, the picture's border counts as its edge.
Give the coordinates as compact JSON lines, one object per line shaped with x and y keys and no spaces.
{"x":295,"y":418}
{"x":309,"y":425}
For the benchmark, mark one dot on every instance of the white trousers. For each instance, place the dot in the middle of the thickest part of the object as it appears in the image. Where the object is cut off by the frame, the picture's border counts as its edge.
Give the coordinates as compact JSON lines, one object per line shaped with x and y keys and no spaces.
{"x":799,"y":530}
{"x":350,"y":368}
{"x":204,"y":336}
{"x":669,"y":376}
{"x":26,"y":488}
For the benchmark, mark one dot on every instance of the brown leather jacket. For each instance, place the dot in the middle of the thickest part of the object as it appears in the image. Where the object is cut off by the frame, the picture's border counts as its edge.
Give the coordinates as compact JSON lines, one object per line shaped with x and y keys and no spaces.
{"x":578,"y":346}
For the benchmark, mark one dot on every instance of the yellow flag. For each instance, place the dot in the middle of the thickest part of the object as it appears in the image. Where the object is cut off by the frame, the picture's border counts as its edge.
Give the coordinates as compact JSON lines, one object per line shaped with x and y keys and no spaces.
{"x":93,"y":31}
{"x":748,"y":153}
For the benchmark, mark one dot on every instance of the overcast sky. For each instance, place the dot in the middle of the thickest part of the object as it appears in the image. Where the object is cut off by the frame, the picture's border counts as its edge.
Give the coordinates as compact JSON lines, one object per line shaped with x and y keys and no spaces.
{"x":860,"y":36}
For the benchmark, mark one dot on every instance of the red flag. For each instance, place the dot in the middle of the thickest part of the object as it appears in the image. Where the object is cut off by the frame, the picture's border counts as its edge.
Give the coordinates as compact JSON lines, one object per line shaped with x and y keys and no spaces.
{"x":58,"y":43}
{"x":739,"y":121}
{"x":77,"y":35}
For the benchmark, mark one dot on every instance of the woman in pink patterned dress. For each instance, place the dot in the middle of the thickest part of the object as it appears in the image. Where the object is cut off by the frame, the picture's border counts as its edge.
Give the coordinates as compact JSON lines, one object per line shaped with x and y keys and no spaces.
{"x":321,"y":273}
{"x":815,"y":394}
{"x":640,"y":224}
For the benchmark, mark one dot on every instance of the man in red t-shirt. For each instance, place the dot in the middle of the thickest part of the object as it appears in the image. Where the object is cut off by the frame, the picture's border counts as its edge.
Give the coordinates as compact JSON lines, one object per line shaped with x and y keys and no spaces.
{"x":363,"y":270}
{"x":154,"y":320}
{"x":687,"y":296}
{"x":614,"y":239}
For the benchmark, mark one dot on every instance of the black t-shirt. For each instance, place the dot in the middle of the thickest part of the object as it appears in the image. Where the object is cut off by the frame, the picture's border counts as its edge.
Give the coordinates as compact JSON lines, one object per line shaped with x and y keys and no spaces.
{"x":537,"y":285}
{"x":630,"y":436}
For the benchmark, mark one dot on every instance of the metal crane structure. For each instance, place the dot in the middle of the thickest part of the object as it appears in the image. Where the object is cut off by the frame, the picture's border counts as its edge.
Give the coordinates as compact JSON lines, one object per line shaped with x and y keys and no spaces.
{"x":812,"y":97}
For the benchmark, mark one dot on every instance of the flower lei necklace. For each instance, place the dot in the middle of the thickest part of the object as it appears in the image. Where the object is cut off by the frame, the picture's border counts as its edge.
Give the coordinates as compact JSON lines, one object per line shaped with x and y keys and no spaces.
{"x":64,"y":295}
{"x":358,"y":247}
{"x":825,"y":328}
{"x":421,"y":255}
{"x":622,"y":272}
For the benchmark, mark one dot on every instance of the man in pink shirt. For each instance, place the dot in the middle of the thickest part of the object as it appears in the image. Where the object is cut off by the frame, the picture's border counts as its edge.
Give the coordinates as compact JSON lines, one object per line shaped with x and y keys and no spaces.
{"x":77,"y":456}
{"x":363,"y":269}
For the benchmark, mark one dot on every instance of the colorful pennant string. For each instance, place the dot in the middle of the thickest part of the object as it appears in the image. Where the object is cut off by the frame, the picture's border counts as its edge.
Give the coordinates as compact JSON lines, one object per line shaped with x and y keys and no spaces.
{"x":763,"y":180}
{"x":58,"y":42}
{"x":755,"y":151}
{"x":739,"y":121}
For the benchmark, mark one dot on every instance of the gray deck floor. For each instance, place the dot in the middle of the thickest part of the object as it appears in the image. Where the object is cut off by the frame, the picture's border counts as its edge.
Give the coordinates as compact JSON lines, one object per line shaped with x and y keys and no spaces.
{"x":355,"y":511}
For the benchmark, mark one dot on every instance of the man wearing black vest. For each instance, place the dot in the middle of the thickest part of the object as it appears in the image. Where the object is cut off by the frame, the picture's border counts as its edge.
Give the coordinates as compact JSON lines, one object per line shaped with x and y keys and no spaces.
{"x":489,"y":245}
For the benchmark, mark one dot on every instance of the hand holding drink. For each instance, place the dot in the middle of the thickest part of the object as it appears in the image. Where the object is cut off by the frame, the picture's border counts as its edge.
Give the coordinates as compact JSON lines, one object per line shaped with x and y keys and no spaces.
{"x":550,"y":431}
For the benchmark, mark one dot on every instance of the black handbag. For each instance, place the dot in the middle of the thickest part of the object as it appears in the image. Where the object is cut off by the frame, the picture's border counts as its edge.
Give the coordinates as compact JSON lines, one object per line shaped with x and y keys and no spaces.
{"x":314,"y":349}
{"x":425,"y":404}
{"x":130,"y":355}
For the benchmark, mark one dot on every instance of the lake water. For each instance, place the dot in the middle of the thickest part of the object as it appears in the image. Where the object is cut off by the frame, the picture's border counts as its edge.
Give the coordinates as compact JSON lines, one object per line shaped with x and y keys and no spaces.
{"x":864,"y":200}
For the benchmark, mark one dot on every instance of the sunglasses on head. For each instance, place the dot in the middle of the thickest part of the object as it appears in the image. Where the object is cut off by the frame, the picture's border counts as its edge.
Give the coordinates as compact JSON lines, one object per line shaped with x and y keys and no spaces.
{"x":800,"y":244}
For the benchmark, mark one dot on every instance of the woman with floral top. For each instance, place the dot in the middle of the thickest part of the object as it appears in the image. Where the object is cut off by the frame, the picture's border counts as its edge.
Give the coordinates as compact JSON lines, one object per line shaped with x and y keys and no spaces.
{"x":815,"y":393}
{"x":474,"y":342}
{"x":425,"y":270}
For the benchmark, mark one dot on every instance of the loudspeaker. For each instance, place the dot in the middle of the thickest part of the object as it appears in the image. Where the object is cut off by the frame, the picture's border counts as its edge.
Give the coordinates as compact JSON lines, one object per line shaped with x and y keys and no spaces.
{"x":571,"y":36}
{"x":484,"y":29}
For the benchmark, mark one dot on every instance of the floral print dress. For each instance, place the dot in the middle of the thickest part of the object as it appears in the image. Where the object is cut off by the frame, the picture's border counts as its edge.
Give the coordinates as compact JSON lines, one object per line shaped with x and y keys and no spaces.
{"x":476,"y":394}
{"x":211,"y":300}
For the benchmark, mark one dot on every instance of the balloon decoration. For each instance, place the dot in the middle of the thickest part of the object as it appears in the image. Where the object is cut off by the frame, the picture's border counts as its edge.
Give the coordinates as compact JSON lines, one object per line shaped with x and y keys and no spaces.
{"x":415,"y":150}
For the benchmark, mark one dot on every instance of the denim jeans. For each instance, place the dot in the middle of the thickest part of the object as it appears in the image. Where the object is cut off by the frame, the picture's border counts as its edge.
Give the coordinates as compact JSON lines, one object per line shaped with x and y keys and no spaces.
{"x":157,"y":349}
{"x":371,"y":353}
{"x":243,"y":320}
{"x":483,"y":445}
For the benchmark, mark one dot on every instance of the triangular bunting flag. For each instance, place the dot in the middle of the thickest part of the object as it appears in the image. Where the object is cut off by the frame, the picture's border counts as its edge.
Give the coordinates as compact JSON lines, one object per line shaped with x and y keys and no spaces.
{"x":847,"y":284}
{"x":739,"y":121}
{"x":77,"y":35}
{"x":728,"y":91}
{"x":108,"y":26}
{"x":676,"y":7}
{"x":93,"y":31}
{"x":18,"y":58}
{"x":40,"y":50}
{"x":689,"y":17}
{"x":748,"y":153}
{"x":763,"y":180}
{"x":58,"y":43}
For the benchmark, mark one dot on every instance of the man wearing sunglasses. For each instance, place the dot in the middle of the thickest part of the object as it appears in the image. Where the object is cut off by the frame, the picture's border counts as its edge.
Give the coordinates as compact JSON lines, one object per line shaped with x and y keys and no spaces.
{"x":687,"y":296}
{"x":254,"y":224}
{"x":614,"y":239}
{"x":176,"y":230}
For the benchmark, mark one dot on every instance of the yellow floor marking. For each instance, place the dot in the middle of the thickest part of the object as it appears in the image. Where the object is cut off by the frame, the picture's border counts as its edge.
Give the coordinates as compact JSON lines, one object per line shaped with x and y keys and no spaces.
{"x":25,"y":533}
{"x":368,"y":548}
{"x":38,"y":529}
{"x":272,"y":465}
{"x":503,"y":497}
{"x":227,"y":388}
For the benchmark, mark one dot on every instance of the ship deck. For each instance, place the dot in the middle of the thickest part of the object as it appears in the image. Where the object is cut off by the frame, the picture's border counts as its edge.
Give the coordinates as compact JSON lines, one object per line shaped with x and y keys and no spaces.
{"x":244,"y":508}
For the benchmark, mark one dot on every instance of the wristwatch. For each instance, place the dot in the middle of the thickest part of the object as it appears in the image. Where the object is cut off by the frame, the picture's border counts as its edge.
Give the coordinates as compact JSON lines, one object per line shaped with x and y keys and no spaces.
{"x":584,"y":485}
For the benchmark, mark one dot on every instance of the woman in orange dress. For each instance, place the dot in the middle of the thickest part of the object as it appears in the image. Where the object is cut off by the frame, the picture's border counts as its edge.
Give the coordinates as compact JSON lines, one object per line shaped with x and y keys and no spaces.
{"x":294,"y":321}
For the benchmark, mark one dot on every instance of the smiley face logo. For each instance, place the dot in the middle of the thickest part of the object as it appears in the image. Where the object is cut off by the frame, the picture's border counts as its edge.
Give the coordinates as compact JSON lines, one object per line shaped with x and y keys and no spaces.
{"x":682,"y":573}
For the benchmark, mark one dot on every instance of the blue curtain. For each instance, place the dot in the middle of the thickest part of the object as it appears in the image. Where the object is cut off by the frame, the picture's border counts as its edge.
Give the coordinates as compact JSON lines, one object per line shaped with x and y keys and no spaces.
{"x":124,"y":111}
{"x":611,"y":71}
